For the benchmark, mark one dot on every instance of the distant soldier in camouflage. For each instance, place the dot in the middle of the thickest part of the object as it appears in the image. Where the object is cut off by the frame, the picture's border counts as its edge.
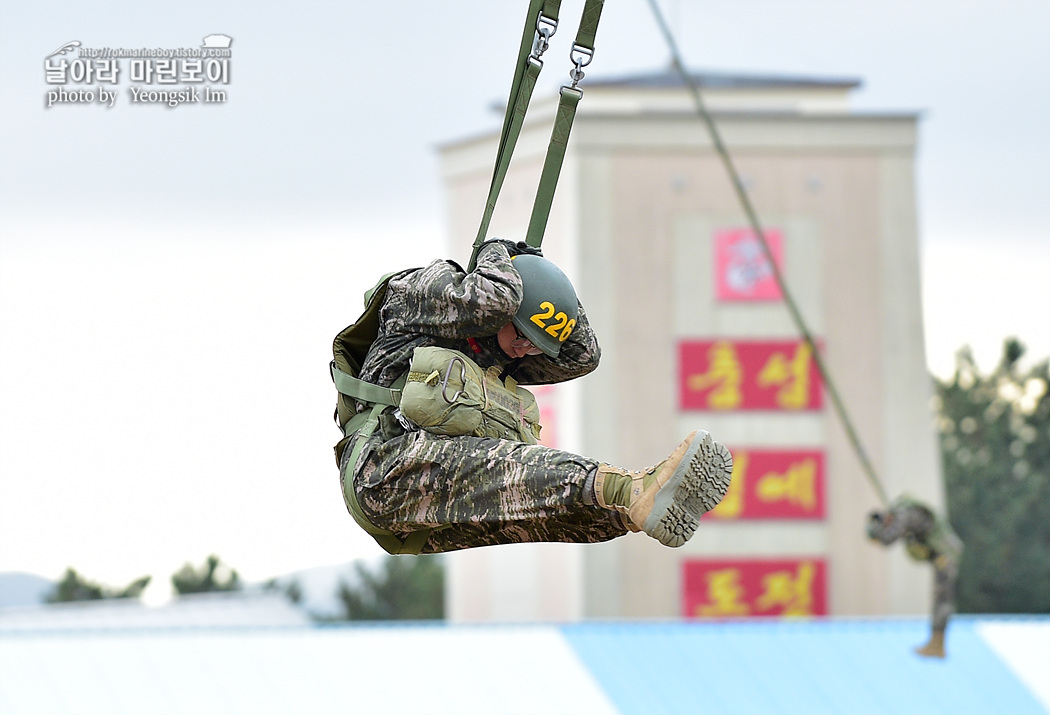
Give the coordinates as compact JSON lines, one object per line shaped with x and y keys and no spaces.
{"x":927,"y":537}
{"x":435,"y":493}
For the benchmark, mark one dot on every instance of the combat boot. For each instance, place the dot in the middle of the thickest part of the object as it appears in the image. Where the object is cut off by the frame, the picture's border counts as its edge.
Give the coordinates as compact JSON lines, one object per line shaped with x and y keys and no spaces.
{"x":935,"y":647}
{"x":666,"y":501}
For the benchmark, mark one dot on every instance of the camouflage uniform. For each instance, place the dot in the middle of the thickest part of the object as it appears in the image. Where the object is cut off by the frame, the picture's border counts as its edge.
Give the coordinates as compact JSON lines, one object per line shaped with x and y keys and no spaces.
{"x":472,"y":491}
{"x":926,"y":538}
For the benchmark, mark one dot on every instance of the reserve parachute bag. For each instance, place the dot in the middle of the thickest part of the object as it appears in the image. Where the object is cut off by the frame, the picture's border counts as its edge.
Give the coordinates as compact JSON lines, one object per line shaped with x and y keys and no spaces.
{"x":449,"y":394}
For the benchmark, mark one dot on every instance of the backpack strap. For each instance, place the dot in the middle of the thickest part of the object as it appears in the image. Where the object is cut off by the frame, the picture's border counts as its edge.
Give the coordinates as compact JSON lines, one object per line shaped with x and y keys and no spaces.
{"x":364,"y":391}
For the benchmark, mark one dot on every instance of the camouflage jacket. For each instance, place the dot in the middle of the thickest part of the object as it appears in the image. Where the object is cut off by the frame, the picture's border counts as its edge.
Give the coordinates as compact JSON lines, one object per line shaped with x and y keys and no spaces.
{"x":927,"y":537}
{"x":443,"y":305}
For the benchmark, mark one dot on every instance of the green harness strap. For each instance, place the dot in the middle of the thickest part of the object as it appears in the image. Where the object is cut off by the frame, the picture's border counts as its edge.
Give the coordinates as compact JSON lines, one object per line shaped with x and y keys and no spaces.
{"x":541,"y":209}
{"x":541,"y":22}
{"x":569,"y":97}
{"x":365,"y":423}
{"x":540,"y":25}
{"x":363,"y":391}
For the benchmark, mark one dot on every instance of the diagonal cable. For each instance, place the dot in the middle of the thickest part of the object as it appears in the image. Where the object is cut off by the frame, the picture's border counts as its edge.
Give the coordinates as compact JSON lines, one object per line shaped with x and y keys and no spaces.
{"x":752,"y":216}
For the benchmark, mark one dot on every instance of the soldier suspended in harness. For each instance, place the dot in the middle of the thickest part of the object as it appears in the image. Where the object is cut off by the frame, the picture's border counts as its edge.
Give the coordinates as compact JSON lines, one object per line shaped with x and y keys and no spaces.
{"x":927,"y":537}
{"x":439,"y":439}
{"x":439,"y":449}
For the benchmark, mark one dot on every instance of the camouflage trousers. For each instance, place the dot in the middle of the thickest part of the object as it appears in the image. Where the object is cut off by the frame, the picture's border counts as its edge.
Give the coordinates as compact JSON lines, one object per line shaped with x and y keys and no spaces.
{"x":945,"y":573}
{"x":476,"y":491}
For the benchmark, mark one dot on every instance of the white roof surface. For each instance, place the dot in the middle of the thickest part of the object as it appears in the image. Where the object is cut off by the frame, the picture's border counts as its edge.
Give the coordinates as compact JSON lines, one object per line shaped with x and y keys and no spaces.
{"x":388,"y":670}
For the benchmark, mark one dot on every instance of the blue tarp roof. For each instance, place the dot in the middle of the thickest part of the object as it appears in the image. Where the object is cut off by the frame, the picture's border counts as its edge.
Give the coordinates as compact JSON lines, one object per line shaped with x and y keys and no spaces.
{"x":830,"y":667}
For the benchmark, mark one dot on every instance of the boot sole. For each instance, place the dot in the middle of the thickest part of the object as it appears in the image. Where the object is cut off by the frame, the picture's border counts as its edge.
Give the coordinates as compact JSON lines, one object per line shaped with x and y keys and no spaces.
{"x":696,"y":487}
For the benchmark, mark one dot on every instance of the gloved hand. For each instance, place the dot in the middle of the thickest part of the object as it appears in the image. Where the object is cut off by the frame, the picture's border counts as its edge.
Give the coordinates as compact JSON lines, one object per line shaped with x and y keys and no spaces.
{"x":515,"y":249}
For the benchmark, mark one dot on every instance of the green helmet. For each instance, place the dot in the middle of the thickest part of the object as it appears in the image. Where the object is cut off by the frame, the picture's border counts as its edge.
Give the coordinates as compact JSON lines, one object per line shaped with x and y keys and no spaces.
{"x":876,"y":523}
{"x":549,"y":308}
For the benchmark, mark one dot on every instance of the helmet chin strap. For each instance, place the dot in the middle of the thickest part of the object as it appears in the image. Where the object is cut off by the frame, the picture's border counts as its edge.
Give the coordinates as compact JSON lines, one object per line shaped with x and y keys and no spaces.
{"x":510,"y":368}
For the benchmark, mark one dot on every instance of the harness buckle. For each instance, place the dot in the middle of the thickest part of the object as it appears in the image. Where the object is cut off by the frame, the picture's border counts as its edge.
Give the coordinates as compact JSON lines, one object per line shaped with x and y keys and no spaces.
{"x":407,"y":424}
{"x":581,"y":57}
{"x":545,"y":29}
{"x":587,"y":54}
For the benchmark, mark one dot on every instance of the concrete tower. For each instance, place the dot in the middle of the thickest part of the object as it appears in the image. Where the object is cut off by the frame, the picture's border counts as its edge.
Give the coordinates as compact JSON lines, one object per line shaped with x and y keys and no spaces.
{"x":695,"y":334}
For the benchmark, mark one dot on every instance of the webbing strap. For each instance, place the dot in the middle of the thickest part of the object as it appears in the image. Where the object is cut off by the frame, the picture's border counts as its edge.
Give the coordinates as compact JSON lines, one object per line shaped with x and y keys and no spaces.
{"x":365,"y":424}
{"x":364,"y":391}
{"x":364,"y":432}
{"x":541,"y":208}
{"x":521,"y":92}
{"x":516,"y":117}
{"x":537,"y":9}
{"x":526,"y":71}
{"x":592,"y":12}
{"x":582,"y":51}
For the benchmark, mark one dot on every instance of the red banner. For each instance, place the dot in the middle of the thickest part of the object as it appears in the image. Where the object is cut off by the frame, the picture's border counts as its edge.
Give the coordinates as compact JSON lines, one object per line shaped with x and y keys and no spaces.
{"x":741,"y":588}
{"x":742,"y":271}
{"x":767,"y":484}
{"x":748,"y":375}
{"x":546,"y":400}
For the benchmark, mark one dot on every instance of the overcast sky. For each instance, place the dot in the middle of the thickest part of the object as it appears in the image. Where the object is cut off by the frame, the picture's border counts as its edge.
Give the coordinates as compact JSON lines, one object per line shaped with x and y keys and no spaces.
{"x":171,"y":279}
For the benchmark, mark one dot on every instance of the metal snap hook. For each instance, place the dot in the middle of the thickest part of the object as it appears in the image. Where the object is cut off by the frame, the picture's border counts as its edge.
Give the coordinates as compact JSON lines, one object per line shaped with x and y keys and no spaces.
{"x":545,"y":29}
{"x":462,"y":379}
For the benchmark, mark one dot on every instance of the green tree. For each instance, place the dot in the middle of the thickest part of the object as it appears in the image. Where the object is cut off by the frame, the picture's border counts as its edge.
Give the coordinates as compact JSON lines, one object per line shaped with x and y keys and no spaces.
{"x":995,"y":443}
{"x":212,"y":575}
{"x":401,"y":588}
{"x":74,"y":587}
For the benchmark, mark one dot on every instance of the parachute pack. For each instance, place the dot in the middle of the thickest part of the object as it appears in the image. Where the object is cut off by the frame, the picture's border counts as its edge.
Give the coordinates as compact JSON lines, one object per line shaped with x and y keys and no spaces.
{"x":348,"y":355}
